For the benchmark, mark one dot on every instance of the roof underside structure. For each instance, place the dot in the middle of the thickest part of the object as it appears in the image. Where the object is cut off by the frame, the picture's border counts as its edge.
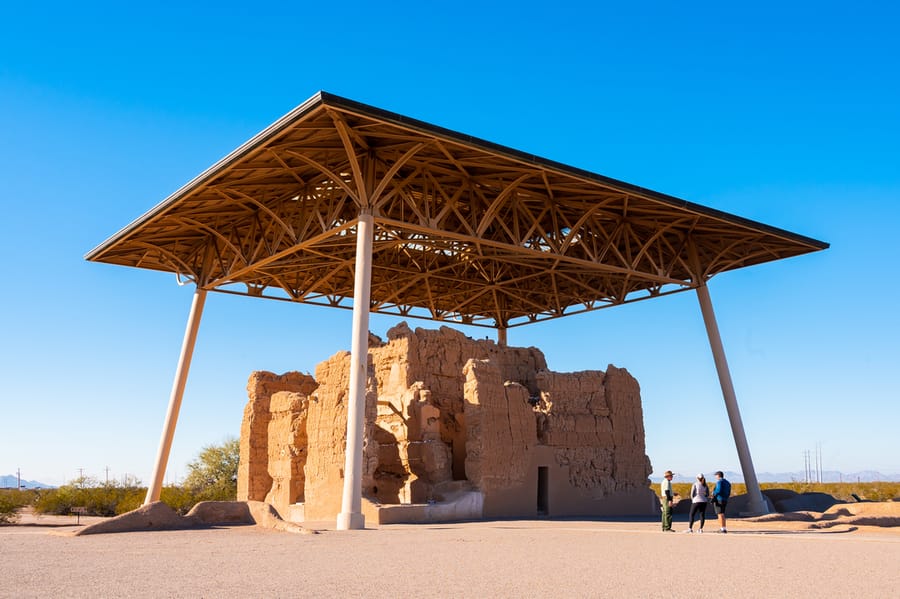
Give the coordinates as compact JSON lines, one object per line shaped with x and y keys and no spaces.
{"x":465,"y":231}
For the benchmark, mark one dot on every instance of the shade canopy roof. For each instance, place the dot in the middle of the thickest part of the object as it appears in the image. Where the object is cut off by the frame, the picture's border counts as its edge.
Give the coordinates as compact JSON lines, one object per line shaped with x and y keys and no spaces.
{"x":464,"y":230}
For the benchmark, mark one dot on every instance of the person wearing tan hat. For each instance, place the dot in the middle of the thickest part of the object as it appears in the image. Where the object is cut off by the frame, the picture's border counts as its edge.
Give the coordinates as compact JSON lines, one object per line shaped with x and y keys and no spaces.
{"x":665,"y":493}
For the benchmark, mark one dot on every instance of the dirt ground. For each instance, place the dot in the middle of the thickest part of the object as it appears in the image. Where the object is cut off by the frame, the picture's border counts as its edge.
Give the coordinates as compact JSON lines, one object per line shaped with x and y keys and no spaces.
{"x":540,"y":558}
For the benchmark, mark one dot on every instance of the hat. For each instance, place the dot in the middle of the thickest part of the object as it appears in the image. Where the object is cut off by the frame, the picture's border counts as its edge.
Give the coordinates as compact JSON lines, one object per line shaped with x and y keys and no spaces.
{"x":668,"y":473}
{"x":720,"y":473}
{"x":700,"y":476}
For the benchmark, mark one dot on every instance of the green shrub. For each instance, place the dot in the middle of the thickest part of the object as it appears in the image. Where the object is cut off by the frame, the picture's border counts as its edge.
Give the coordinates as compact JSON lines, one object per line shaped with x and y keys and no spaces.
{"x":98,"y":500}
{"x":179,"y":499}
{"x":11,"y":500}
{"x":213,"y":475}
{"x":56,"y":501}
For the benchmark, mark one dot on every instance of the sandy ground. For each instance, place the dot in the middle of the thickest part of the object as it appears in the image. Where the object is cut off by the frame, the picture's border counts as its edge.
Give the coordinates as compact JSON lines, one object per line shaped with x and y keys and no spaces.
{"x":542,"y":558}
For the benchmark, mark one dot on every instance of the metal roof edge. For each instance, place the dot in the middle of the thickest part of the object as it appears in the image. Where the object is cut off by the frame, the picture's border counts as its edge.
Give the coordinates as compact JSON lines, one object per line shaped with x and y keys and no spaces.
{"x":425,"y":127}
{"x":328,"y":99}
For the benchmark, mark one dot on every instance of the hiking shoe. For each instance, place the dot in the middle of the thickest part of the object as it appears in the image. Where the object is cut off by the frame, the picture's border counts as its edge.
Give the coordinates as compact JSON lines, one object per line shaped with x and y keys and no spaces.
{"x":689,"y":531}
{"x":700,"y":532}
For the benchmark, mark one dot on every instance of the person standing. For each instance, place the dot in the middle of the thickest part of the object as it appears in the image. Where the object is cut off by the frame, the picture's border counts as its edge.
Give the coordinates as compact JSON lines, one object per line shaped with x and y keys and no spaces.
{"x":665,"y":492}
{"x":720,"y":496}
{"x":699,"y":499}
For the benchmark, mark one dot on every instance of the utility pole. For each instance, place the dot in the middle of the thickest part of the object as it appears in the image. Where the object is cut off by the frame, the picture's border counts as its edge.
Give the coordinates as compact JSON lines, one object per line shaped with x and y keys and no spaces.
{"x":107,"y":476}
{"x":816,"y":464}
{"x":18,"y":479}
{"x":821,"y":466}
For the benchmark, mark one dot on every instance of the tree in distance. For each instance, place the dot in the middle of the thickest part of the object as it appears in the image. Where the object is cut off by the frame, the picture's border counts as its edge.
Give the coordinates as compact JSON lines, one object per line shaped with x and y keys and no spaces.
{"x":213,"y":475}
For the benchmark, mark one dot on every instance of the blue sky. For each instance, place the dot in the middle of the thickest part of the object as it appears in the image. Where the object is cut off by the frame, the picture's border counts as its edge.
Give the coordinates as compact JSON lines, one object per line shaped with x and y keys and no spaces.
{"x":783,"y":114}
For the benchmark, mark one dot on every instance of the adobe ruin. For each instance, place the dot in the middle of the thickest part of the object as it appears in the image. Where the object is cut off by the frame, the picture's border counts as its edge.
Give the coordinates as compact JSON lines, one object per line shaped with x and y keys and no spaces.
{"x":455,"y":428}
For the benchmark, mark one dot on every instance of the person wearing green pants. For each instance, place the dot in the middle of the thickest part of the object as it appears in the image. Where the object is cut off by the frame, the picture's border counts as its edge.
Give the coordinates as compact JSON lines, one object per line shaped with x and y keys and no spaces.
{"x":665,"y":493}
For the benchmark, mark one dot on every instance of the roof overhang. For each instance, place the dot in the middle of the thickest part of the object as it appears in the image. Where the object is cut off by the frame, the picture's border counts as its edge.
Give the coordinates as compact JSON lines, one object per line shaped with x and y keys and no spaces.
{"x":465,"y":230}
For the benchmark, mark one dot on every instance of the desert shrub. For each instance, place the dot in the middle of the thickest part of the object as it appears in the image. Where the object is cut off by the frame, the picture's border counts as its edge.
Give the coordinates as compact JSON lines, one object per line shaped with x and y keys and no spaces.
{"x":879,"y":491}
{"x":131,"y":500}
{"x":179,"y":499}
{"x":57,"y":501}
{"x":11,"y":500}
{"x":176,"y":497}
{"x":213,"y":475}
{"x":107,"y":499}
{"x":872,"y":491}
{"x":7,"y":510}
{"x":111,"y":499}
{"x":844,"y":491}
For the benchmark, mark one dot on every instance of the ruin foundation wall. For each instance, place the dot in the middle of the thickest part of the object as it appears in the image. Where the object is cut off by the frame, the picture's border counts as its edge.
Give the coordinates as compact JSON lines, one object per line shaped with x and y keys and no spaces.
{"x":448,"y":415}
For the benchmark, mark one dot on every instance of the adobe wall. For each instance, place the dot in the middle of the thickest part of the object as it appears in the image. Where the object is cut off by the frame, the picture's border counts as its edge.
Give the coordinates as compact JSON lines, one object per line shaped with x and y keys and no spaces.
{"x":589,"y":439}
{"x":446,"y":413}
{"x":287,"y":434}
{"x":327,"y":432}
{"x":257,"y":454}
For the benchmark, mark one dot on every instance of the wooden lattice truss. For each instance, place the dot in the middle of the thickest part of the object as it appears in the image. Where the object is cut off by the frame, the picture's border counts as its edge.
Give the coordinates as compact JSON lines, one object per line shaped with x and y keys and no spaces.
{"x":464,"y":230}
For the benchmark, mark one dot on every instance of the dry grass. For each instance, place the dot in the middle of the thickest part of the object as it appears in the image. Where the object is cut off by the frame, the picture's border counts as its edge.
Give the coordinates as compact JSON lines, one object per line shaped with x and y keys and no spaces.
{"x":874,"y":491}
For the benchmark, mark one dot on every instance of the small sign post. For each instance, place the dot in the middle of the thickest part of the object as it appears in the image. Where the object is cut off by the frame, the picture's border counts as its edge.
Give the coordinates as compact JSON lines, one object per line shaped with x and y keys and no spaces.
{"x":78,"y":511}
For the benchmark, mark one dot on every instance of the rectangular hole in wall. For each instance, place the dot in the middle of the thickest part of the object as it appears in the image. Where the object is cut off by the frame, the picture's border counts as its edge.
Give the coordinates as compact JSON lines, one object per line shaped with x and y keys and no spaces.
{"x":543,"y":491}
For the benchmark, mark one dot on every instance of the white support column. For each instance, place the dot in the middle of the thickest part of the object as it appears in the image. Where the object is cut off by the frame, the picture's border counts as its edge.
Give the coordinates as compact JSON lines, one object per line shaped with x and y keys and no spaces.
{"x":181,"y":374}
{"x":755,"y":503}
{"x":351,"y":516}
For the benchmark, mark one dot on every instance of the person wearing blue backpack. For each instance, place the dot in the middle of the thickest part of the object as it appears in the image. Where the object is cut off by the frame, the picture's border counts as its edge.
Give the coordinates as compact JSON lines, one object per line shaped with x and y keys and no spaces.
{"x":721,"y":493}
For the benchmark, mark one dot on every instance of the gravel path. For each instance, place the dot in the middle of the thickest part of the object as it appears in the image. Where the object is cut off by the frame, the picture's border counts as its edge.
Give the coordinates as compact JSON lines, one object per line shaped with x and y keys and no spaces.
{"x":483,"y":559}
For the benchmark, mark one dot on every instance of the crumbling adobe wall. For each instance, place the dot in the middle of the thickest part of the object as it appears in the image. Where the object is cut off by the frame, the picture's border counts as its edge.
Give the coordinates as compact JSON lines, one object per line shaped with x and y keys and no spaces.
{"x":444,"y":413}
{"x":595,"y":423}
{"x":425,"y":368}
{"x":500,"y":427}
{"x":287,"y":449}
{"x":327,"y":438}
{"x":254,"y":480}
{"x":584,"y":429}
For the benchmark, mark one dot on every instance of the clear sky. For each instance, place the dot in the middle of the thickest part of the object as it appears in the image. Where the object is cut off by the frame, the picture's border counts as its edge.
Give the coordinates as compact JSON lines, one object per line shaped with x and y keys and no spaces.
{"x":786,"y":113}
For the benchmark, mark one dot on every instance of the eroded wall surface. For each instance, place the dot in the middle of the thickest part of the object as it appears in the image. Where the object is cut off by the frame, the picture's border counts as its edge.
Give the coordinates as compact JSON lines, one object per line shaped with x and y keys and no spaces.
{"x":254,"y":479}
{"x":287,"y":449}
{"x":447,"y":413}
{"x":327,"y":438}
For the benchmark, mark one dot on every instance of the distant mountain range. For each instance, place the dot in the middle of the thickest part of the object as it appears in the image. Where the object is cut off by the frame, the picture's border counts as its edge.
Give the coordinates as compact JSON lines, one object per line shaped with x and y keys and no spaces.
{"x":8,"y":481}
{"x":828,"y":476}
